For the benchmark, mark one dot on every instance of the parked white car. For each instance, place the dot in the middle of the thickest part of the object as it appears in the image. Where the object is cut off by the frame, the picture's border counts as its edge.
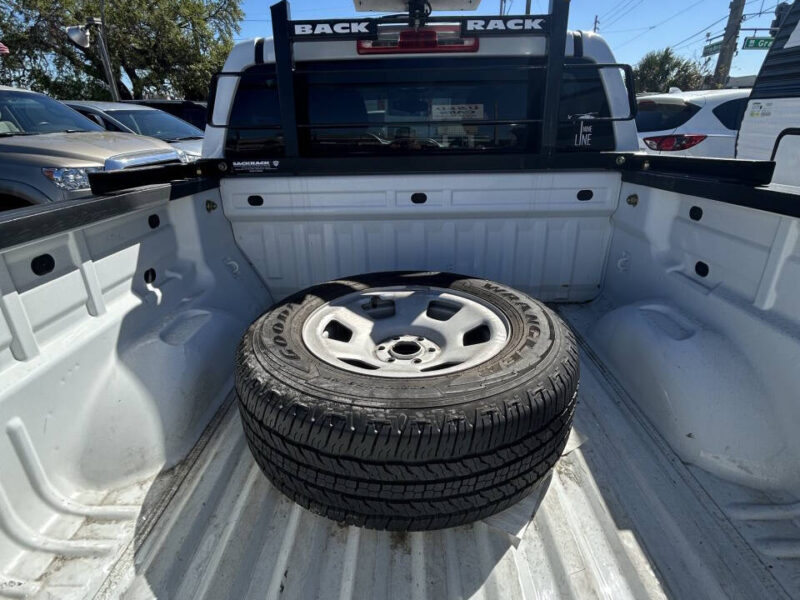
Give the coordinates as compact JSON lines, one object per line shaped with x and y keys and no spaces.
{"x":703,"y":123}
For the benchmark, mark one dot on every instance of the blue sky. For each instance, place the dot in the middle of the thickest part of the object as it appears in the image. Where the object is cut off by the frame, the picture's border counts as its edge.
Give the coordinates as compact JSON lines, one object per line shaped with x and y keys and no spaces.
{"x":632,"y":27}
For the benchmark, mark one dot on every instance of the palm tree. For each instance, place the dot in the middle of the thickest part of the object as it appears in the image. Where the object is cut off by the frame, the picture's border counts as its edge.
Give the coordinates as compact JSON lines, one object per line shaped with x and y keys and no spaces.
{"x":660,"y":70}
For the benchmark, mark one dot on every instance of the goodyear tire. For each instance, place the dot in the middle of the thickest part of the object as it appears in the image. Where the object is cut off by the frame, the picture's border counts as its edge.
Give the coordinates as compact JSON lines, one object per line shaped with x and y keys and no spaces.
{"x":407,"y":401}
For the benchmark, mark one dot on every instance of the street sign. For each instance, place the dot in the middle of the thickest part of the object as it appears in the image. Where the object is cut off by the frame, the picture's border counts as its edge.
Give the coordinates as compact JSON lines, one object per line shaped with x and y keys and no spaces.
{"x":757,"y":43}
{"x":712,"y":49}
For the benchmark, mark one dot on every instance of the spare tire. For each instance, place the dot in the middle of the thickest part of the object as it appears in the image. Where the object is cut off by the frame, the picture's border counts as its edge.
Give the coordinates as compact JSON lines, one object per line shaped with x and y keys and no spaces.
{"x":407,"y":401}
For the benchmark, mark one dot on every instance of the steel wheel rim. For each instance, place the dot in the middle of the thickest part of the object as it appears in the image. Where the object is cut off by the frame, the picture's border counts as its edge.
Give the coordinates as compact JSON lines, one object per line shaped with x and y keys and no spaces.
{"x":406,"y":332}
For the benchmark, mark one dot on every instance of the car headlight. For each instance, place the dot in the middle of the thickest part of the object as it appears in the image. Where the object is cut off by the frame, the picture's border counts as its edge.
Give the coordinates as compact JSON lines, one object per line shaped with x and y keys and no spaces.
{"x":71,"y":179}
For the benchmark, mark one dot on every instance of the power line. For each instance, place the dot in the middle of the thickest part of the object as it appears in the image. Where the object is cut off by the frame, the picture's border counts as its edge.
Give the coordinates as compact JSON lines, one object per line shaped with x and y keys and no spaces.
{"x":614,"y":8}
{"x":660,"y":23}
{"x":762,"y":11}
{"x":617,"y":12}
{"x":625,"y":30}
{"x":694,"y":35}
{"x":625,"y":13}
{"x":703,"y":30}
{"x":621,"y":10}
{"x":650,"y":28}
{"x":689,"y":43}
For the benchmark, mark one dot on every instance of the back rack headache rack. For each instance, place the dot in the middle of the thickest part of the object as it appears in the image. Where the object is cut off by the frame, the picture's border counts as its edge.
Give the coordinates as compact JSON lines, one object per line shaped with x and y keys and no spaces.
{"x":286,"y":33}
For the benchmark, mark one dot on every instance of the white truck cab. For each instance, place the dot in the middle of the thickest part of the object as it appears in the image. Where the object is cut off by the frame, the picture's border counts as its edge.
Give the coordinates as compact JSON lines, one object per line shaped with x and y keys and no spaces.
{"x":379,"y":87}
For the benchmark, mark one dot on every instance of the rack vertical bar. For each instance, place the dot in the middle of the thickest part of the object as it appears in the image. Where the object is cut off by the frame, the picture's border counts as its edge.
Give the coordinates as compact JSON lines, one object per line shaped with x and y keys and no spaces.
{"x":284,"y":71}
{"x":556,"y":50}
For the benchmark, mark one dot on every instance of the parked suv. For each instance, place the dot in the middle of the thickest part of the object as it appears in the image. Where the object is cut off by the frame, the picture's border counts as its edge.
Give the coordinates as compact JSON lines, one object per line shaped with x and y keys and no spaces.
{"x":47,"y":150}
{"x":702,"y":123}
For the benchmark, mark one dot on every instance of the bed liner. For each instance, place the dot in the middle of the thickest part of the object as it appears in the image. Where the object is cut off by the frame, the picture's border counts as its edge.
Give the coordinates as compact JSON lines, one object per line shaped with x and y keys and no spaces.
{"x":621,"y":517}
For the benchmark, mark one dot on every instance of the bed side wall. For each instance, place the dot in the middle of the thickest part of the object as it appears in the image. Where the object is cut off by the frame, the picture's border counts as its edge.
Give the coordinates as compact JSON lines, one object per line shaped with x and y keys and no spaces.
{"x":112,"y":364}
{"x":705,"y":333}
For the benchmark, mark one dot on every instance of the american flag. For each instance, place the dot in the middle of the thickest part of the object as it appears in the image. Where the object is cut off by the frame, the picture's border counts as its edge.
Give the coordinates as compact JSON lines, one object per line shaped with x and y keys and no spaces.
{"x":4,"y":49}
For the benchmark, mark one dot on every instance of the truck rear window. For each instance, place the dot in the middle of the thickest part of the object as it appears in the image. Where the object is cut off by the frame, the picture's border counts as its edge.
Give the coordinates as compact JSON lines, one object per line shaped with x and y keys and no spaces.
{"x":661,"y":116}
{"x":384,"y":118}
{"x":406,"y":107}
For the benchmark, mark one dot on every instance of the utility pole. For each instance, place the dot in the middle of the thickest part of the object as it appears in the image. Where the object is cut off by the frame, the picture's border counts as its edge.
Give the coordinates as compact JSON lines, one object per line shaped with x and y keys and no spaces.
{"x":596,"y":24}
{"x":729,"y":42}
{"x":527,"y":7}
{"x":112,"y":81}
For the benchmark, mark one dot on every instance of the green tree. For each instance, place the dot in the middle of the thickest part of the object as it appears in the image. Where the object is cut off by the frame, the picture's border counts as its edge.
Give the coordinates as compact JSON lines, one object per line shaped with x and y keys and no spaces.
{"x":157,"y":47}
{"x":660,"y":70}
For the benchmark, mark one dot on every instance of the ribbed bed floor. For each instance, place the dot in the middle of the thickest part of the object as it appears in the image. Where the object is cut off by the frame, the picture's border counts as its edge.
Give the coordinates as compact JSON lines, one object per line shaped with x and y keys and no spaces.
{"x":622,"y":517}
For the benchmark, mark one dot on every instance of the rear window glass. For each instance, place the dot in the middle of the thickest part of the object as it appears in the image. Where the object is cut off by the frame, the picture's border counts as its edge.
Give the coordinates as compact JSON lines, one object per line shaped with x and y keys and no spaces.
{"x":731,"y":113}
{"x":346,"y":109}
{"x":366,"y":118}
{"x":660,"y":116}
{"x":255,"y":120}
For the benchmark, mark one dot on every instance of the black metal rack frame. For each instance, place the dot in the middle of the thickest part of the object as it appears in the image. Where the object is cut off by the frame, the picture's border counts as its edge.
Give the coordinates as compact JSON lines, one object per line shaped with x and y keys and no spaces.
{"x":553,"y":27}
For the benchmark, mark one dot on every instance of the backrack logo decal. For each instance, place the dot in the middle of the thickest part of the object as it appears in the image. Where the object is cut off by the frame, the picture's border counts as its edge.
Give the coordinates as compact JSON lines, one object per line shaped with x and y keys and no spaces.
{"x":504,"y":26}
{"x":363,"y":29}
{"x":340,"y":30}
{"x":254,"y":166}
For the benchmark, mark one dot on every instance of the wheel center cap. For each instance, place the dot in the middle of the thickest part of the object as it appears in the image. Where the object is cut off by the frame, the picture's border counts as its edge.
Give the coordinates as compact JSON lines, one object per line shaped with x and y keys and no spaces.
{"x":405,"y":350}
{"x":408,"y":350}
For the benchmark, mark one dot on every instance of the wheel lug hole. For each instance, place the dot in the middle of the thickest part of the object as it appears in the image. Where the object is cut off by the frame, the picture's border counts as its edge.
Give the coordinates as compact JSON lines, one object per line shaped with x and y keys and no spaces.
{"x":417,"y":360}
{"x":381,"y":347}
{"x":420,"y":339}
{"x":391,"y":360}
{"x":431,"y":349}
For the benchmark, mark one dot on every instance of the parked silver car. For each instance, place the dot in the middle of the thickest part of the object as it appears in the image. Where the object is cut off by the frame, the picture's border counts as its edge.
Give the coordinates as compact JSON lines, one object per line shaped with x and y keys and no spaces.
{"x":47,"y":150}
{"x":144,"y":120}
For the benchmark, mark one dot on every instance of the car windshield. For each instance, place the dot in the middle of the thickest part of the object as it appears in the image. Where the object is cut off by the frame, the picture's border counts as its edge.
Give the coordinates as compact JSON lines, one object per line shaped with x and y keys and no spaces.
{"x":156,"y":123}
{"x":26,"y":113}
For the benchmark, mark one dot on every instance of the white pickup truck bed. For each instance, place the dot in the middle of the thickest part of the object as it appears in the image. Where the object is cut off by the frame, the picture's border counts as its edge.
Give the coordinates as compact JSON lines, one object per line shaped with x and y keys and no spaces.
{"x":622,"y":517}
{"x":124,"y":470}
